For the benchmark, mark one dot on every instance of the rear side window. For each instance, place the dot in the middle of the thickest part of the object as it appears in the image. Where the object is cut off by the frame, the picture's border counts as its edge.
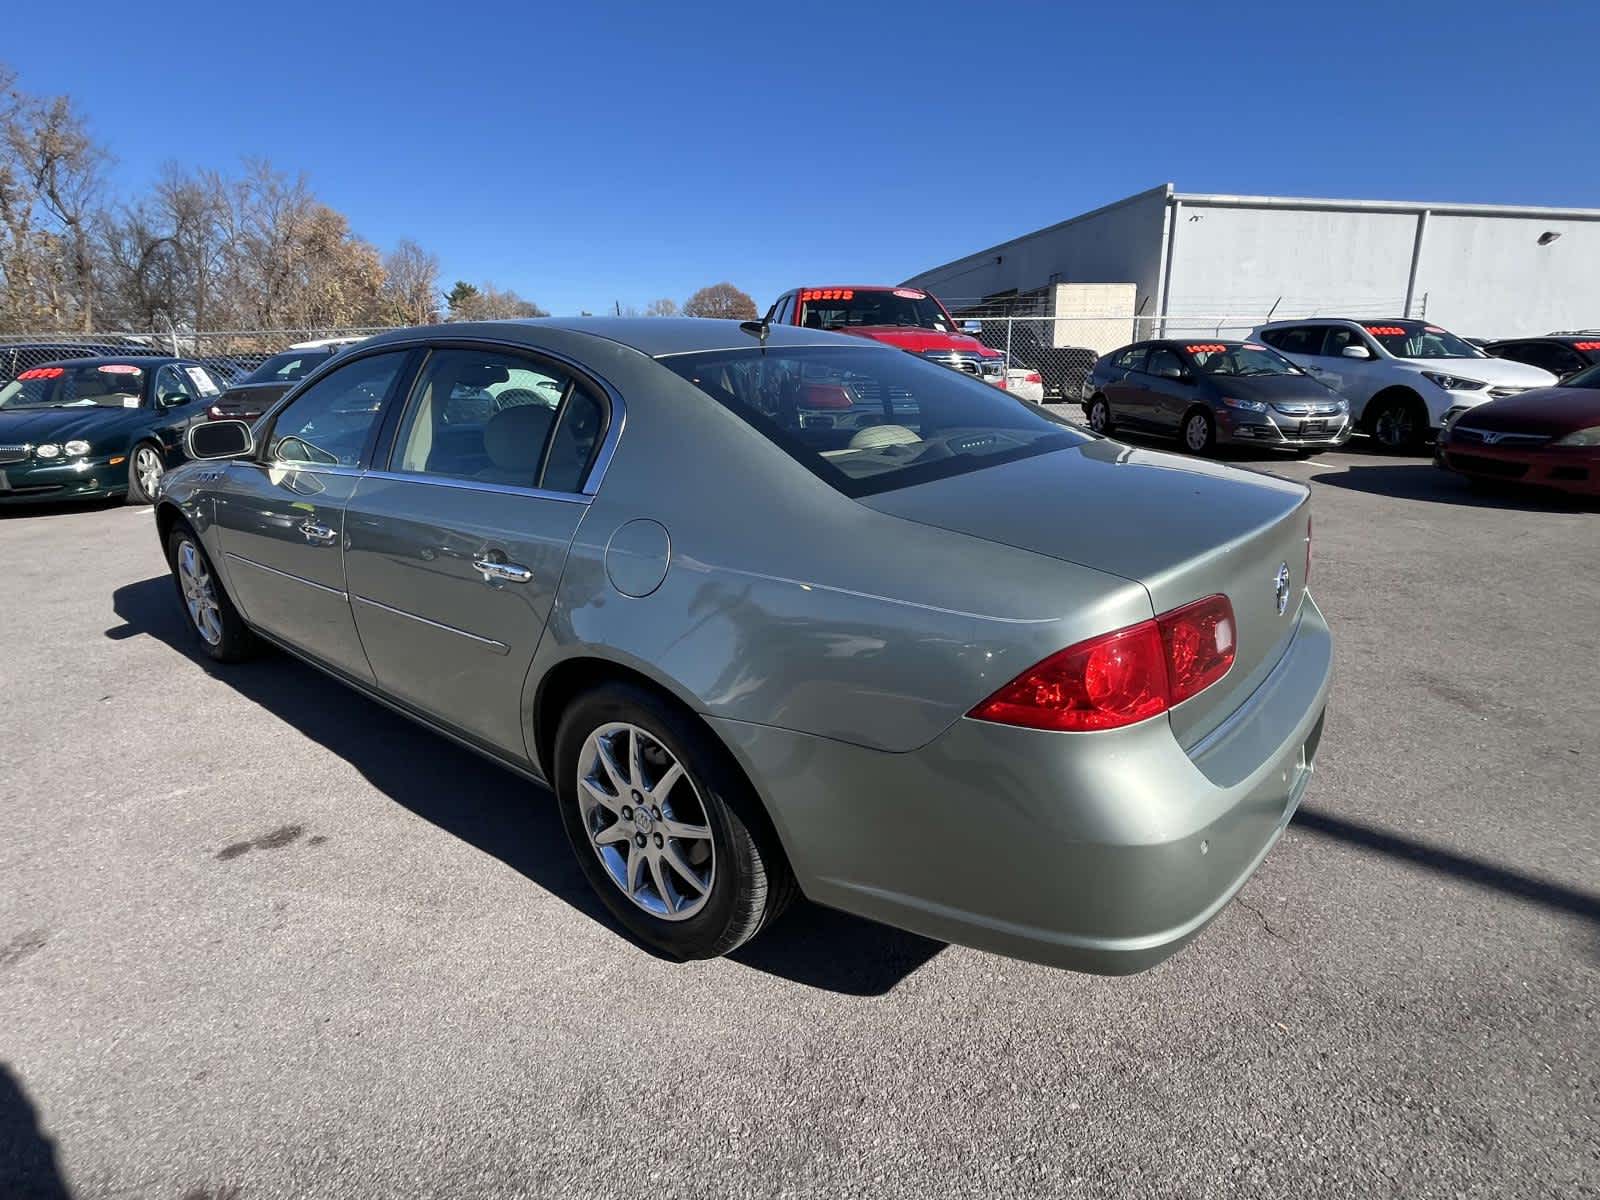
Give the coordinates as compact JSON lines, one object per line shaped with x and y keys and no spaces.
{"x":872,"y":420}
{"x":1299,"y":339}
{"x":1131,"y":359}
{"x":496,"y":417}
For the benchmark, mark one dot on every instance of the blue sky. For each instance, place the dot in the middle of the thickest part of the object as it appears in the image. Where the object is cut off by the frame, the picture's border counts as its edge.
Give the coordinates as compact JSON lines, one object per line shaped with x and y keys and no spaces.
{"x":589,"y":152}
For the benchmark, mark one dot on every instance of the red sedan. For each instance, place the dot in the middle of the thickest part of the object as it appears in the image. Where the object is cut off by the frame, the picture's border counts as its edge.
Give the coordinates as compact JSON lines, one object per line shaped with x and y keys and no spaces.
{"x":1549,"y":437}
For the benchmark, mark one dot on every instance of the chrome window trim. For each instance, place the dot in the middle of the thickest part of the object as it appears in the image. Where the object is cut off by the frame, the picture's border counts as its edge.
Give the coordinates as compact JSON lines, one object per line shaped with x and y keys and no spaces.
{"x":474,"y":485}
{"x":289,"y":464}
{"x":310,"y":583}
{"x":497,"y":647}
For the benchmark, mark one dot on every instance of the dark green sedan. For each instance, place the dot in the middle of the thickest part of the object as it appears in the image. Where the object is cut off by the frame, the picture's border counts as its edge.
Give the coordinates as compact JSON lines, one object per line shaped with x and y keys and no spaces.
{"x":91,"y":428}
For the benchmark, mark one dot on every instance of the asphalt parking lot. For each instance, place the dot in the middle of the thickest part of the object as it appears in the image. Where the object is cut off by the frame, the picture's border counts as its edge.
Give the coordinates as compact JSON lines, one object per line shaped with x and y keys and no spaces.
{"x":260,"y":938}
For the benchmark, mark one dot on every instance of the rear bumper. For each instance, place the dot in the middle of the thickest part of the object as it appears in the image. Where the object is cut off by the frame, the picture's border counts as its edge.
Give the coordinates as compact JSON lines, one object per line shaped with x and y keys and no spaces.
{"x":1571,"y":469}
{"x":1101,"y":852}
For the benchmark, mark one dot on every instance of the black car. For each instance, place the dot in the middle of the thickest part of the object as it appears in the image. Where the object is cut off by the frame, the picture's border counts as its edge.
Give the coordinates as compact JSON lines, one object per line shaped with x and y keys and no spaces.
{"x":1561,"y":354}
{"x":87,"y":428}
{"x":258,"y":391}
{"x":1062,"y":369}
{"x":1207,"y":391}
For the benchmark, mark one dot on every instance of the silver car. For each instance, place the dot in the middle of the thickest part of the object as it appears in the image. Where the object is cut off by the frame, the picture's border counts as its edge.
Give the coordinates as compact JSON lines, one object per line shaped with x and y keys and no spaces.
{"x":775,"y":610}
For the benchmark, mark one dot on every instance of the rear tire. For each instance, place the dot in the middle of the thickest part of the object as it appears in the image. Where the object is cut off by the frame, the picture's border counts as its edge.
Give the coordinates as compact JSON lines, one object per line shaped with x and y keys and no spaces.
{"x":1199,"y":432}
{"x":1100,"y":416}
{"x":209,"y":612}
{"x":698,"y":894}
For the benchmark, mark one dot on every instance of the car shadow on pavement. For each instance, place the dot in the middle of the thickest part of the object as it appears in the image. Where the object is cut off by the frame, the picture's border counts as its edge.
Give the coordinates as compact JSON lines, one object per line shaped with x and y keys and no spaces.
{"x":28,"y":1166}
{"x":467,"y":796}
{"x":1555,"y":896}
{"x":12,"y":512}
{"x":1414,"y":480}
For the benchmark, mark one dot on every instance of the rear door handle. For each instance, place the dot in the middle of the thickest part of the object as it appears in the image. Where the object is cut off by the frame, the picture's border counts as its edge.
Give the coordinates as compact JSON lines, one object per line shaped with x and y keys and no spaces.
{"x":321,"y":535}
{"x":501,"y":572}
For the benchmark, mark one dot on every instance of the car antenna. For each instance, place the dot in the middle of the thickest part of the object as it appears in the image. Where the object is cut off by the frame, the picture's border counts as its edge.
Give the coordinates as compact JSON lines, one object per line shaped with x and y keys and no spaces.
{"x":758,"y":329}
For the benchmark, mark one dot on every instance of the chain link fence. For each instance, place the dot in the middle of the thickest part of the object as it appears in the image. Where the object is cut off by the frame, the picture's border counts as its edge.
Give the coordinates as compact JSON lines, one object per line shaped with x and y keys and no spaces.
{"x":229,"y":354}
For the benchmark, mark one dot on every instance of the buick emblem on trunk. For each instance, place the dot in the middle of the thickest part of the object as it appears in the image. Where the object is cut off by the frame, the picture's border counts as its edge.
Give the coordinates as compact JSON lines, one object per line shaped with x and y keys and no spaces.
{"x":1280,"y":588}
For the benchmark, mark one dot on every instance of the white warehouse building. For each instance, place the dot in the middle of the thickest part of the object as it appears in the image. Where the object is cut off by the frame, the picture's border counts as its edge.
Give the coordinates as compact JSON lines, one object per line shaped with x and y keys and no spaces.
{"x":1226,"y":262}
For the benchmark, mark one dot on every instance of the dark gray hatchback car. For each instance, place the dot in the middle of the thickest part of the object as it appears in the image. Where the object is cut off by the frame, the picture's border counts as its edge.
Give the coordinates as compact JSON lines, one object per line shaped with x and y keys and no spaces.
{"x":1211,"y":391}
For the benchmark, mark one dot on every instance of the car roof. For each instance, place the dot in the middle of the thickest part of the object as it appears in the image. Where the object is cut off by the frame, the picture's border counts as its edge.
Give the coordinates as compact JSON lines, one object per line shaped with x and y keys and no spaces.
{"x":142,"y":361}
{"x":652,"y":336}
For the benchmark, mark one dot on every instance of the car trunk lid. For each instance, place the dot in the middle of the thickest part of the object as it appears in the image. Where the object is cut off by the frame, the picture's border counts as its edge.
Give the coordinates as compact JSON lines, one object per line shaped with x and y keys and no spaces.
{"x":1183,"y":528}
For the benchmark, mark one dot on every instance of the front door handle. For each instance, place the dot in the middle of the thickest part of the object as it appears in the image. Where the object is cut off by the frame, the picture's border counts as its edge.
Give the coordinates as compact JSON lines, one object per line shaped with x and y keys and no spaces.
{"x":501,"y":572}
{"x":319,"y":535}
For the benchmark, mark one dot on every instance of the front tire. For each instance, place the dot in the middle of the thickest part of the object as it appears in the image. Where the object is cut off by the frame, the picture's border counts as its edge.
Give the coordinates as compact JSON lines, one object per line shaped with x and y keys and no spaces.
{"x":1199,"y":433}
{"x":222,"y":632}
{"x":1397,"y":422}
{"x":146,"y":468}
{"x":1100,"y":416}
{"x":665,"y":827}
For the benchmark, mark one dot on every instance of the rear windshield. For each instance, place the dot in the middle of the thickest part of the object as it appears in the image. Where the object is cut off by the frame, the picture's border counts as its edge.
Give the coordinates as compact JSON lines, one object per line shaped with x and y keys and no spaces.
{"x":287,"y":367}
{"x":1413,"y":339}
{"x":842,"y":308}
{"x":110,"y":385}
{"x":1220,"y":358}
{"x":870,"y":421}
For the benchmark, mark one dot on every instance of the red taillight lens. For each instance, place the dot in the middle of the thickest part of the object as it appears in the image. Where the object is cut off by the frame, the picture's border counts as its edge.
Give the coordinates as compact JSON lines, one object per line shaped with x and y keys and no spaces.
{"x":1120,"y":678}
{"x":1108,"y":681}
{"x":1200,"y":643}
{"x":1033,"y":377}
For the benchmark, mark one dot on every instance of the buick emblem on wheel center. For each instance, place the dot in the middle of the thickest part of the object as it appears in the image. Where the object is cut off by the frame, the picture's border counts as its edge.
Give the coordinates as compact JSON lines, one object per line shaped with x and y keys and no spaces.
{"x":1280,"y":585}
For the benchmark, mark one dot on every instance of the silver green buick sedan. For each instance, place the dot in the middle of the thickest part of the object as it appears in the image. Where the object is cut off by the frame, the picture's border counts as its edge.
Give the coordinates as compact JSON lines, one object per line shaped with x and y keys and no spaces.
{"x":775,"y":610}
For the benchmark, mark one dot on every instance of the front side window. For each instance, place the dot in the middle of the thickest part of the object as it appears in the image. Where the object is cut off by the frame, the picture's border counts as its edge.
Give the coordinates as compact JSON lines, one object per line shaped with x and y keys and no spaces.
{"x":872,"y":420}
{"x":106,"y":385}
{"x":1339,"y":337}
{"x":1587,"y":378}
{"x":850,"y":308}
{"x":329,"y":423}
{"x":1165,"y":363}
{"x":496,"y":417}
{"x":1216,"y":358}
{"x":1414,"y":339}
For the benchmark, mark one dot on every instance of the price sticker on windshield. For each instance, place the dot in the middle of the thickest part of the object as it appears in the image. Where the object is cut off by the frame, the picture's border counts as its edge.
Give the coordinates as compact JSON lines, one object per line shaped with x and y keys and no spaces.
{"x":120,"y":369}
{"x":1207,"y":348}
{"x":815,"y":294}
{"x":1386,"y":330}
{"x":43,"y":373}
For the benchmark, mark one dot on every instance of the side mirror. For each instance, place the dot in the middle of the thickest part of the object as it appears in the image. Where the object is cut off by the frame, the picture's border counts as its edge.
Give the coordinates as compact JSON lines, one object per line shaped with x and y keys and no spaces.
{"x":220,"y":439}
{"x":1355,"y":352}
{"x":172,"y":399}
{"x":972,"y":327}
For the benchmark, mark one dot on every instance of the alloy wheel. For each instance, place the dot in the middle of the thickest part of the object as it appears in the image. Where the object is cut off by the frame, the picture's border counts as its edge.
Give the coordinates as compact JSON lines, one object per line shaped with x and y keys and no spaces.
{"x":199,"y":593}
{"x":1395,"y":426}
{"x":646,"y":821}
{"x":148,"y":469}
{"x":1099,"y":416}
{"x":1195,"y":433}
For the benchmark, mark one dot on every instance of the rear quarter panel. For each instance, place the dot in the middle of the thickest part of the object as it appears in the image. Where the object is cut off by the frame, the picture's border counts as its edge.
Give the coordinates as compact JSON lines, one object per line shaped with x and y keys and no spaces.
{"x":788,"y":604}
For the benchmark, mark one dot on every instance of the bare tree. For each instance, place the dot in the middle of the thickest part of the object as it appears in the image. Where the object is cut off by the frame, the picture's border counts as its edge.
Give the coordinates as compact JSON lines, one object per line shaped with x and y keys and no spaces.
{"x":720,"y":300}
{"x":664,"y":307}
{"x":410,"y":293}
{"x":51,"y":181}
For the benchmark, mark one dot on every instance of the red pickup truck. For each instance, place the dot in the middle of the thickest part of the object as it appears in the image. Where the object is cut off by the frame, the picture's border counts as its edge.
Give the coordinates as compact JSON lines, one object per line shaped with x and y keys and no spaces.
{"x":905,"y":317}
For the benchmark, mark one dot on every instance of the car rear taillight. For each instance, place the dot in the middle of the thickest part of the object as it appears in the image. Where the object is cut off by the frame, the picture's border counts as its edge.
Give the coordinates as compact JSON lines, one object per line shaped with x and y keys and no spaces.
{"x":1033,"y":377}
{"x":1123,"y":677}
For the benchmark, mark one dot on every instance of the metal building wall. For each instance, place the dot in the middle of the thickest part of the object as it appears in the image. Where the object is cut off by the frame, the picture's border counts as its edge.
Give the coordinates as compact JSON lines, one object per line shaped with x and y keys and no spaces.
{"x":1121,"y":243}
